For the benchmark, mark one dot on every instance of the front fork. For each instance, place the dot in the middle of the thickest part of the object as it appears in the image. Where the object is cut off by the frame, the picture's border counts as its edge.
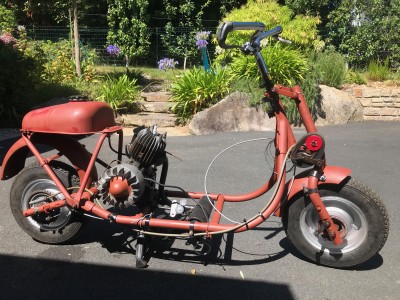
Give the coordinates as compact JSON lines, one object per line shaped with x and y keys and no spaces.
{"x":327,"y":223}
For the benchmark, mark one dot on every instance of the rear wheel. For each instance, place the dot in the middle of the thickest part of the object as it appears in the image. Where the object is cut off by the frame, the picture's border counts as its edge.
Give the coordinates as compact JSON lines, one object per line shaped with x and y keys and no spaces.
{"x":33,"y":187}
{"x":357,"y":212}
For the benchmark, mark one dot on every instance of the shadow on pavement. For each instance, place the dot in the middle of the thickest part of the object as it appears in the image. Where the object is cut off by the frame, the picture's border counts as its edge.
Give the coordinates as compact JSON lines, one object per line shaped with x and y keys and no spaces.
{"x":48,"y":279}
{"x":373,"y":263}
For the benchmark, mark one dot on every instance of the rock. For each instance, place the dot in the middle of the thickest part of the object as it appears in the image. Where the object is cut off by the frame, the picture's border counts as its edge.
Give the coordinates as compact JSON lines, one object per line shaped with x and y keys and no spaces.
{"x":233,"y":113}
{"x":338,"y":107}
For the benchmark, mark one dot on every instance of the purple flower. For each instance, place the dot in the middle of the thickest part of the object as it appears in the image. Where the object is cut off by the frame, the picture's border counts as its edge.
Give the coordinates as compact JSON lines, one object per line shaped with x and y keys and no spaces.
{"x":201,"y":39}
{"x":202,"y":35}
{"x":167,"y":63}
{"x":201,"y":44}
{"x":358,"y":53}
{"x":113,"y":50}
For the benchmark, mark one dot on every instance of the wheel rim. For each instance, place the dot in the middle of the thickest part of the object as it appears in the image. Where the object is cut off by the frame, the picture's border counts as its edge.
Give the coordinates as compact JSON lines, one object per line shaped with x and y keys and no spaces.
{"x":35,"y":194}
{"x":349,"y":219}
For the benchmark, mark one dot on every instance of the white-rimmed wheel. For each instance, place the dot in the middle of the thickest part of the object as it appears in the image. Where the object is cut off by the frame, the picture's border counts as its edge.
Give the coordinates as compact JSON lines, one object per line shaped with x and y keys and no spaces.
{"x":357,"y":212}
{"x":32,"y":188}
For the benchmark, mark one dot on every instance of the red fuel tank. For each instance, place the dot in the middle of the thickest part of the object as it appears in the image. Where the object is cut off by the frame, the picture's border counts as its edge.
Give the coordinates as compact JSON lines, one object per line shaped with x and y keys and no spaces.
{"x":75,"y":117}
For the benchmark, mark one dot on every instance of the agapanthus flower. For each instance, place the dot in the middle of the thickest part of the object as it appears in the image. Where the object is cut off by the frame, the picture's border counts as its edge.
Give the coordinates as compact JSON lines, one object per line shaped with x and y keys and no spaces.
{"x":113,"y":50}
{"x":201,"y":39}
{"x":202,"y":35}
{"x":167,"y":63}
{"x":201,"y":44}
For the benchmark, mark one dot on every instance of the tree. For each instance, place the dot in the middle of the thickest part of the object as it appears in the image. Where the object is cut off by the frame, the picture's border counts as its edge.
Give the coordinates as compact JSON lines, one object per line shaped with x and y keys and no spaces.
{"x":50,"y":12}
{"x":183,"y":15}
{"x":128,"y":21}
{"x":366,"y":30}
{"x":77,"y":50}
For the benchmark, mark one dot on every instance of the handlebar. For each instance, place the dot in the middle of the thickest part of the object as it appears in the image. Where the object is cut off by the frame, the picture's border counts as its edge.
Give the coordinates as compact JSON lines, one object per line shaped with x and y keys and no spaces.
{"x":259,"y":34}
{"x":229,"y":26}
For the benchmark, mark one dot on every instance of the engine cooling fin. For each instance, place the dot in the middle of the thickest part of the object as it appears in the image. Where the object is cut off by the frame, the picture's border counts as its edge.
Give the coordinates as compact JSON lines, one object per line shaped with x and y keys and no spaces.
{"x":147,"y":147}
{"x":121,"y":186}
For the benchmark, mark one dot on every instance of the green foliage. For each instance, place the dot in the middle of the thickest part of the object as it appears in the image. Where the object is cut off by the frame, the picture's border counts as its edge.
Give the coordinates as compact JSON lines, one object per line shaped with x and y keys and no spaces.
{"x":182,"y":13}
{"x":366,"y":30}
{"x":7,"y":20}
{"x":301,"y":30}
{"x":120,"y":93}
{"x":286,"y":65}
{"x":311,"y":92}
{"x":198,"y":89}
{"x":17,"y":79}
{"x":128,"y":27}
{"x":331,"y":67}
{"x":59,"y":66}
{"x":251,"y":87}
{"x":355,"y":77}
{"x":377,"y":71}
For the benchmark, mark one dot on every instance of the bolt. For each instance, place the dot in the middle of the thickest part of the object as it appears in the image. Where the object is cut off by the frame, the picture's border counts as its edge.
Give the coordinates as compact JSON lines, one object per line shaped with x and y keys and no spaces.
{"x":327,"y":223}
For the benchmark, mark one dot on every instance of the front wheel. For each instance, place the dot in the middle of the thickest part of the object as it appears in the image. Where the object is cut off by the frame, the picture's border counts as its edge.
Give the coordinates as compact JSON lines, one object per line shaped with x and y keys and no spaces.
{"x":359,"y":215}
{"x":33,"y":187}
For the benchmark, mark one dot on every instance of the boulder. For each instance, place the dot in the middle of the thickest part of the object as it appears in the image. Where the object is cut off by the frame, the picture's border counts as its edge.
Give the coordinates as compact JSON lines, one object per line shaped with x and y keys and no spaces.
{"x":338,"y":107}
{"x":233,"y":113}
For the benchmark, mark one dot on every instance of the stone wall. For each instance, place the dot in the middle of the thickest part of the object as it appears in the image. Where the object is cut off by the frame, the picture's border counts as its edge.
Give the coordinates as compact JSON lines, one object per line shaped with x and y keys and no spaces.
{"x":379,"y":103}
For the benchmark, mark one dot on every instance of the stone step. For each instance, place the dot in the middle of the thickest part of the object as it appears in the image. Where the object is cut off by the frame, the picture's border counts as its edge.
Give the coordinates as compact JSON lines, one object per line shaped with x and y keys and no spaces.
{"x":156,"y":96}
{"x":148,"y":119}
{"x":153,"y":87}
{"x":157,"y":107}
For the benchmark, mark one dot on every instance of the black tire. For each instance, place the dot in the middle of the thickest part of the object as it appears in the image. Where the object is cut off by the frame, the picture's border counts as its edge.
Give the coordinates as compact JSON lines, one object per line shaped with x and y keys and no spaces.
{"x":34,"y":184}
{"x":360,"y":215}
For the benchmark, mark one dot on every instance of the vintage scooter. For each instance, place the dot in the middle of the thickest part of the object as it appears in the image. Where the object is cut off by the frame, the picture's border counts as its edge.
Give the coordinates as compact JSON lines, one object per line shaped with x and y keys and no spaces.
{"x":332,"y":219}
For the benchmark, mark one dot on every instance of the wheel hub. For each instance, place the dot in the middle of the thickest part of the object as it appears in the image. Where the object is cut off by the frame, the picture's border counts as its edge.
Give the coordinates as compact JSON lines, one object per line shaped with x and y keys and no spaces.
{"x":40,"y":192}
{"x":348,"y":219}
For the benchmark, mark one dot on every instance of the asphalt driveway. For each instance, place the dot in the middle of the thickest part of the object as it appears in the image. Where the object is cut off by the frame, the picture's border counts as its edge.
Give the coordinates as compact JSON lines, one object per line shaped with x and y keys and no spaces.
{"x":260,"y":264}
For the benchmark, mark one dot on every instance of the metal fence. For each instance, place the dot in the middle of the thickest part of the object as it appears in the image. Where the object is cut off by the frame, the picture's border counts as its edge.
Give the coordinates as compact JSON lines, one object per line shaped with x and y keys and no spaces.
{"x":96,"y":38}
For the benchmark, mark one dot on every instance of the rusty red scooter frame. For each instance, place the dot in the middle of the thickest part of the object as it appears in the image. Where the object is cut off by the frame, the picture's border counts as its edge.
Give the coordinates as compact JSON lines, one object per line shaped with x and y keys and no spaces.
{"x":284,"y":140}
{"x":50,"y":127}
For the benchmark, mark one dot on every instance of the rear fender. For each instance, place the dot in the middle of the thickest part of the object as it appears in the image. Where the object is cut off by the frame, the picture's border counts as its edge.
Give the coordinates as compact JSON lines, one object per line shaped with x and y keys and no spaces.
{"x":14,"y":161}
{"x":332,"y":174}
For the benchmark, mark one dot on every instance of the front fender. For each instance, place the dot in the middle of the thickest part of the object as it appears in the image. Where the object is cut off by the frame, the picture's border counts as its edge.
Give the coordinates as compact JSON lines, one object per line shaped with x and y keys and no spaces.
{"x":14,"y":161}
{"x":333,"y":175}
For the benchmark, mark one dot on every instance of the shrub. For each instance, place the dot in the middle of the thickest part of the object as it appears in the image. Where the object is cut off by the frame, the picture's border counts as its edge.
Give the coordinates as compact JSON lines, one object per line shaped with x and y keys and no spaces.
{"x":198,"y":89}
{"x":331,"y":67}
{"x":60,"y":66}
{"x":378,"y":71}
{"x":7,"y":20}
{"x":120,"y":93}
{"x":355,"y":77}
{"x":18,"y":78}
{"x":286,"y":66}
{"x":302,"y":30}
{"x":311,"y":92}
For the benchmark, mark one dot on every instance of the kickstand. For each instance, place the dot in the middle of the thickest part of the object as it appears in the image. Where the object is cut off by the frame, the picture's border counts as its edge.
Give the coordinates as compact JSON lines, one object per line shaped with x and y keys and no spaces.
{"x":140,"y":251}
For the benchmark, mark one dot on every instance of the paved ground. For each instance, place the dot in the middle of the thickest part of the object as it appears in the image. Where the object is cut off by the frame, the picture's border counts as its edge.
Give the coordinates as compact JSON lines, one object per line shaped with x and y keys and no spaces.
{"x":255,"y":265}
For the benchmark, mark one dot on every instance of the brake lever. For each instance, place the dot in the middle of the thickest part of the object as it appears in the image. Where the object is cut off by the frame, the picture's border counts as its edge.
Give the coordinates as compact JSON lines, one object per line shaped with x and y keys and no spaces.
{"x":283,"y":40}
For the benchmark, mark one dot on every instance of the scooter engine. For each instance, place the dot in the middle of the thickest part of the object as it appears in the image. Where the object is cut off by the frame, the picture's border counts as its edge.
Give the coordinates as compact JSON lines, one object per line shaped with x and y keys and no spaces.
{"x":125,"y":184}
